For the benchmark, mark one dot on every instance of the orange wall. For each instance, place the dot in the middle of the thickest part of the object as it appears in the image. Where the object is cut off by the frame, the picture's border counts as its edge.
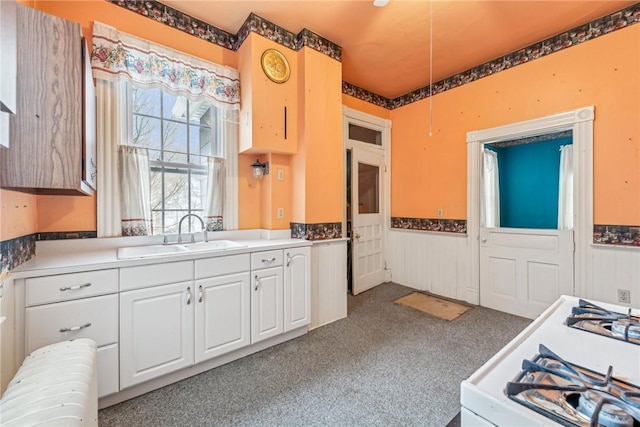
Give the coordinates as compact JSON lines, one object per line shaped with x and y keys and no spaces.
{"x":318,"y":167}
{"x":18,"y":214}
{"x":365,"y":107}
{"x":430,"y":172}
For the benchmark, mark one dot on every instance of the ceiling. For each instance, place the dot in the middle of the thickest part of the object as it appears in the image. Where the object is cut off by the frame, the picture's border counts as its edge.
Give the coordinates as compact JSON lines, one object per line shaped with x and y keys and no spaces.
{"x":386,"y":50}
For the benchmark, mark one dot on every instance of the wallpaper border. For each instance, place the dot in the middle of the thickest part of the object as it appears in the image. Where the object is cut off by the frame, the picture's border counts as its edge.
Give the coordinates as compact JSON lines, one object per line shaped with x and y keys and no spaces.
{"x":456,"y":226}
{"x":619,"y":235}
{"x":19,"y":250}
{"x":317,"y":231}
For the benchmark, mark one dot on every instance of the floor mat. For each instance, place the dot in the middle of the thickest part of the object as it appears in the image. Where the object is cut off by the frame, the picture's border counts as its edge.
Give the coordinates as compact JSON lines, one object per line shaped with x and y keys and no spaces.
{"x":438,"y":307}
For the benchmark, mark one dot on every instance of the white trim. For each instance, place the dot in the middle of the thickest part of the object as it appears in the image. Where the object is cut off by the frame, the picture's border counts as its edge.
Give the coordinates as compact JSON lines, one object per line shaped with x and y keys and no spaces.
{"x":349,"y":115}
{"x":580,"y":122}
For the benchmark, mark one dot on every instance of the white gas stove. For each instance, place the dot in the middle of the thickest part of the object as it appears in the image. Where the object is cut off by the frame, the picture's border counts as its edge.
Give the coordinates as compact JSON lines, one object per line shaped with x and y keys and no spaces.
{"x":576,"y":359}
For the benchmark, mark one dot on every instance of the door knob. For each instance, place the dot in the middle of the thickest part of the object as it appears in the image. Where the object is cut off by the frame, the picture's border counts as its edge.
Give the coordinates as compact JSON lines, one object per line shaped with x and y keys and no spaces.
{"x":483,"y":240}
{"x":357,"y":236}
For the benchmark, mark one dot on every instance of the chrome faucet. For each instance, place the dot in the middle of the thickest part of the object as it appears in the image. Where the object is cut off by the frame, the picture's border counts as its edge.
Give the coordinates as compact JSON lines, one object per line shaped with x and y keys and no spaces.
{"x":204,"y":228}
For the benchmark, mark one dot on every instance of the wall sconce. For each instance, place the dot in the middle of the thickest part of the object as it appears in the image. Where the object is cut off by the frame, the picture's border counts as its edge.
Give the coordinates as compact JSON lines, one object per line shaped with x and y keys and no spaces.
{"x":260,"y":169}
{"x":380,"y":3}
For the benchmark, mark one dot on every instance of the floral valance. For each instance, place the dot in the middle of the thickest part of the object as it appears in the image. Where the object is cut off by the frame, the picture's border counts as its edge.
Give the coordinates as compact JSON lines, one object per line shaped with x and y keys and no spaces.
{"x":117,"y":55}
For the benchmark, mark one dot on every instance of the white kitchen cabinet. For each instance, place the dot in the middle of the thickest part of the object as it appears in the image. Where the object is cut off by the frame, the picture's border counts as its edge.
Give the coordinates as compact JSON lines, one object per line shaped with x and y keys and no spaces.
{"x":297,"y":288}
{"x":156,"y":332}
{"x":266,"y":303}
{"x":223,"y":315}
{"x":69,"y":306}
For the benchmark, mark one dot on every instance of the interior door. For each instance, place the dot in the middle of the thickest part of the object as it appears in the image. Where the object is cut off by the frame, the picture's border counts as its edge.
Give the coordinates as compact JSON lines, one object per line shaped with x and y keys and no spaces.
{"x":523,"y":271}
{"x":367,"y":204}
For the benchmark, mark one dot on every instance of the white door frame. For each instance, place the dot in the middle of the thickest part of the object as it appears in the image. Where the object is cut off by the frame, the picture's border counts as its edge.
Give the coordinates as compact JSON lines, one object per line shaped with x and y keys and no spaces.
{"x":349,"y":115}
{"x":580,"y":122}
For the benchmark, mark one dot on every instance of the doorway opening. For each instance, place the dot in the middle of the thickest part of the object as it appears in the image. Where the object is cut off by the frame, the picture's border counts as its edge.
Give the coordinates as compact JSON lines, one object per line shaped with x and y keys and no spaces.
{"x":521,"y":269}
{"x":365,"y":141}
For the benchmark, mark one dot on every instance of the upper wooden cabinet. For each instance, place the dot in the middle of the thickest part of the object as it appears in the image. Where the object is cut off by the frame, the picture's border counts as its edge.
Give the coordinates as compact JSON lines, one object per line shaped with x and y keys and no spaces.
{"x":47,"y":133}
{"x":269,"y":114}
{"x":8,"y":39}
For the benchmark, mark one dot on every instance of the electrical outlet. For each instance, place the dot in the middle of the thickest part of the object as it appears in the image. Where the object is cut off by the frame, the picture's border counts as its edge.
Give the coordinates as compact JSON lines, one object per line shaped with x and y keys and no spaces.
{"x":280,"y":175}
{"x":280,"y":213}
{"x":624,"y":296}
{"x":440,"y":213}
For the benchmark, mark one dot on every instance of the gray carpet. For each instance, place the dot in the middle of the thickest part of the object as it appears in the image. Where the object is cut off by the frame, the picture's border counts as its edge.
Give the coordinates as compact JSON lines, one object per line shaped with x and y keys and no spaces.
{"x":386,"y":364}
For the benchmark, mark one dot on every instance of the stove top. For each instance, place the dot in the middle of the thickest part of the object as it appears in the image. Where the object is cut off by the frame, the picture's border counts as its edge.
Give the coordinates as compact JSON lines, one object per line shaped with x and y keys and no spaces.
{"x":574,"y":396}
{"x":484,"y":398}
{"x":592,"y":318}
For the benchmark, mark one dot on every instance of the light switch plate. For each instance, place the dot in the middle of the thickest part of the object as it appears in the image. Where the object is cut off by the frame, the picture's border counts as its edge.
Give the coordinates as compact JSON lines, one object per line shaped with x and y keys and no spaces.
{"x":280,"y":175}
{"x":280,"y":213}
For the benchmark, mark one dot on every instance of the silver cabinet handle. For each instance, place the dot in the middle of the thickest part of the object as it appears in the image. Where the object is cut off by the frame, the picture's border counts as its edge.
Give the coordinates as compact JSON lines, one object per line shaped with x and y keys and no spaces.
{"x":75,"y":328}
{"x":73,"y":288}
{"x":288,"y":259}
{"x":269,"y":260}
{"x":188,"y":295}
{"x":200,"y":293}
{"x":257,"y":283}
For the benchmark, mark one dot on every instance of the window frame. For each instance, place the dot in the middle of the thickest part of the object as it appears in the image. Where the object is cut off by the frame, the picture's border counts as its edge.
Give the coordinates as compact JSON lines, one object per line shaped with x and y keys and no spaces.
{"x":227,"y":149}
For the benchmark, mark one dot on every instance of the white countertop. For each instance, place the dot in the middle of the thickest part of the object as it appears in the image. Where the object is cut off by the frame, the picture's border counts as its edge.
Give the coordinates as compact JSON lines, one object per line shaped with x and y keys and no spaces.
{"x":70,"y":256}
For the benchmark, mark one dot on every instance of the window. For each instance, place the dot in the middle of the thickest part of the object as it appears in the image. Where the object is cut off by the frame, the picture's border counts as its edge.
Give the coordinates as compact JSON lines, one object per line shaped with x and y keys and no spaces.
{"x":180,"y":135}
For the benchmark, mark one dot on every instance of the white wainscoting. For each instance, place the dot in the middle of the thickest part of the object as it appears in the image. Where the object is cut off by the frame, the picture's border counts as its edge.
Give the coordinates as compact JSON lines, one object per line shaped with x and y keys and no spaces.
{"x":612,"y":268}
{"x":7,"y":343}
{"x":433,"y":262}
{"x":328,"y":282}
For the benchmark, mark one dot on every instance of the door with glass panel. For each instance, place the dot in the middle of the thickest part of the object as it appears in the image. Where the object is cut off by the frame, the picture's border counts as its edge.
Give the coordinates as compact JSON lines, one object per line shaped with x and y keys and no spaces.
{"x":367,"y":210}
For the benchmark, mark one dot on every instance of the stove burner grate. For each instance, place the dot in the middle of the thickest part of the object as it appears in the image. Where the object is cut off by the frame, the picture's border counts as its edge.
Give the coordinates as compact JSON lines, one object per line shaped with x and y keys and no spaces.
{"x":574,"y":396}
{"x":592,"y":318}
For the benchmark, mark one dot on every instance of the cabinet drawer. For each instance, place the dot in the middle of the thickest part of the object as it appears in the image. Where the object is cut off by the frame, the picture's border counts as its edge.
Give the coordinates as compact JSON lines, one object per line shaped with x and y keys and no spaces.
{"x":222,"y":265}
{"x":63,"y":287}
{"x":108,"y":371}
{"x":266,"y":259}
{"x":155,"y":274}
{"x":95,"y":318}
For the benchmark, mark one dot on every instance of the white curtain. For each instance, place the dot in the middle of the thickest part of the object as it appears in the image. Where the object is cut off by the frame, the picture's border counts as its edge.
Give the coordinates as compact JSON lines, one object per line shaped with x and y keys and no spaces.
{"x":229,"y":137}
{"x":135,"y":191}
{"x":215,"y":194}
{"x":111,"y":132}
{"x":490,"y":191}
{"x":565,"y":189}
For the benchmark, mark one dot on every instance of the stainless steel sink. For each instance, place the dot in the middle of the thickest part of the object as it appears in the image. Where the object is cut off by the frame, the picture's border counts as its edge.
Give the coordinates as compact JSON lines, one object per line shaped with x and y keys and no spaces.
{"x":164,"y":250}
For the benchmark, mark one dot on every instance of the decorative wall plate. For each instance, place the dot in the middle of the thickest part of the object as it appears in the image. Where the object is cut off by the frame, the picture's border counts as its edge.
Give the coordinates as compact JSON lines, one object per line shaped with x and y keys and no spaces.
{"x":275,"y":66}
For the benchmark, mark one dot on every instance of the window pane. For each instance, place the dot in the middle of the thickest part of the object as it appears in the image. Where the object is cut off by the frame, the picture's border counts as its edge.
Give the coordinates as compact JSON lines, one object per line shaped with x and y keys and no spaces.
{"x":146,"y":101}
{"x":157,"y":222}
{"x":176,"y":190}
{"x":370,"y":136}
{"x":368,"y":189}
{"x":171,"y":220}
{"x":175,"y":138}
{"x":174,"y":107}
{"x":201,"y":142}
{"x":200,"y":113}
{"x":156,"y":189}
{"x":146,"y":132}
{"x":198,"y":190}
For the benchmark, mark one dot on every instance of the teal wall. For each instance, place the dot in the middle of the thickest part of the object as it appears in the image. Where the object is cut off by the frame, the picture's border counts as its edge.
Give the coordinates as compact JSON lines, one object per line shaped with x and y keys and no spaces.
{"x":529,"y":176}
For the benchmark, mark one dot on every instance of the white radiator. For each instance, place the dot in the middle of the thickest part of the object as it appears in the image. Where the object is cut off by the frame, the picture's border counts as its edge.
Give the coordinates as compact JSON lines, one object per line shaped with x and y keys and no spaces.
{"x":55,"y":386}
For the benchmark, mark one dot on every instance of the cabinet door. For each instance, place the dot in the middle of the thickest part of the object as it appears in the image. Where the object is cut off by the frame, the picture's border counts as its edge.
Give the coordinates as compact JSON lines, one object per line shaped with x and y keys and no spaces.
{"x":47,"y":126}
{"x":156,"y":332}
{"x":297,"y":288}
{"x":266,"y":304}
{"x":223,"y":315}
